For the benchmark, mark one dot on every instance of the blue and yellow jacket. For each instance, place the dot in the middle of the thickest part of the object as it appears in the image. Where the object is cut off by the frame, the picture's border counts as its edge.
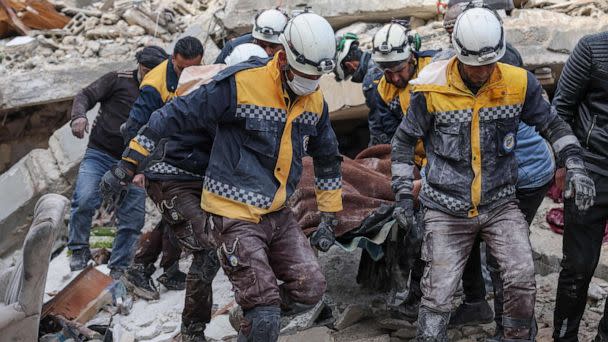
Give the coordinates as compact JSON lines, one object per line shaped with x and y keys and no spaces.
{"x":470,"y":138}
{"x":185,"y":154}
{"x":260,"y":140}
{"x":393,"y":102}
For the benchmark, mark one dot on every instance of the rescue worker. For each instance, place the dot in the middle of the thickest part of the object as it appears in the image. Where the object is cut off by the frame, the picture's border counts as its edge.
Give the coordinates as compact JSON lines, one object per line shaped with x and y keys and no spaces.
{"x":396,"y":54}
{"x":535,"y":171}
{"x":160,"y":84}
{"x":266,"y":118}
{"x":267,"y":27}
{"x":175,"y":187}
{"x":116,"y":92}
{"x":357,"y":66}
{"x":467,"y":110}
{"x":581,"y":100}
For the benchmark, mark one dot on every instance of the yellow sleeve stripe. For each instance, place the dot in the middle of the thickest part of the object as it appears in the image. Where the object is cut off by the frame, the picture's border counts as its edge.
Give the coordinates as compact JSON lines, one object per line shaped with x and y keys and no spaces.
{"x":132,"y":161}
{"x":134,"y":145}
{"x":329,"y":200}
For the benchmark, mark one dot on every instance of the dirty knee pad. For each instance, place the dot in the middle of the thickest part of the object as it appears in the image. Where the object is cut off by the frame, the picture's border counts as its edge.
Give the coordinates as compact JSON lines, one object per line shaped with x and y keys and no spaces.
{"x":260,"y":324}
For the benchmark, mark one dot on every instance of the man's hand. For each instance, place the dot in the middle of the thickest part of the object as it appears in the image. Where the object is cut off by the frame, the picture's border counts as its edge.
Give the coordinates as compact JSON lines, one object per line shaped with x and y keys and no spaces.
{"x":578,"y":184}
{"x":323,"y":238}
{"x":114,"y":184}
{"x":404,"y":211}
{"x":79,"y":126}
{"x":140,"y":180}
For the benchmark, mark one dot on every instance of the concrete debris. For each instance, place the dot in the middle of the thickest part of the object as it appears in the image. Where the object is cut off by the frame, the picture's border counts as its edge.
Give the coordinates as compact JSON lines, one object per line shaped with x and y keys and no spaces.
{"x":319,"y":334}
{"x":351,"y":315}
{"x":596,"y":293}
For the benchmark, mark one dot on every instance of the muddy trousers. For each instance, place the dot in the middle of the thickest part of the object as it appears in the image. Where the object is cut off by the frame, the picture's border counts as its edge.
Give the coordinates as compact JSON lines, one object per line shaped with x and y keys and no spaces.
{"x":255,"y":255}
{"x":153,"y":243}
{"x":583,"y":235}
{"x":179,"y":204}
{"x":473,"y":283}
{"x":448,"y":240}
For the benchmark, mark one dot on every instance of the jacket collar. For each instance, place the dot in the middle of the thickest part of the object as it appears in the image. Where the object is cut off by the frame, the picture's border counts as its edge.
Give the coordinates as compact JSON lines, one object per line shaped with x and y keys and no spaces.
{"x":172,"y":78}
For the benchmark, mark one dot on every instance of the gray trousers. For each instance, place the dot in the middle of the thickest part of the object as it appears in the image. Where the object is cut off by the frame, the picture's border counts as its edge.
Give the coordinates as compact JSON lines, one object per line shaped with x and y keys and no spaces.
{"x":446,"y":247}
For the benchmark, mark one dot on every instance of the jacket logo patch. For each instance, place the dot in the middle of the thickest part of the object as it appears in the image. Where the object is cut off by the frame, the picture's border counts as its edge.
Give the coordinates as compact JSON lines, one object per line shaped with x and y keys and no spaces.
{"x":508,"y":142}
{"x":305,"y":143}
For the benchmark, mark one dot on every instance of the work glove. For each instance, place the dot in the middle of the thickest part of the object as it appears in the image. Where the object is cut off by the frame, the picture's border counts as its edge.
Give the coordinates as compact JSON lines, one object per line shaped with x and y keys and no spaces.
{"x":323,"y":238}
{"x":578,"y":184}
{"x":79,"y":126}
{"x":114,"y":184}
{"x":120,"y":297}
{"x":404,"y":211}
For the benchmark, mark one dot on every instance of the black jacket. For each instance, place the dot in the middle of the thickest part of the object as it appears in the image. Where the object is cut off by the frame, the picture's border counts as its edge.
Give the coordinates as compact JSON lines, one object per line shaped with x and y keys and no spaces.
{"x":581,"y":98}
{"x":116,"y":91}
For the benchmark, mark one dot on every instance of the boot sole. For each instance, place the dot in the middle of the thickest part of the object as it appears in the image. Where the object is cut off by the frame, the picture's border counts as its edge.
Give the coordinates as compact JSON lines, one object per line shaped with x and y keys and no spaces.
{"x":139,"y":292}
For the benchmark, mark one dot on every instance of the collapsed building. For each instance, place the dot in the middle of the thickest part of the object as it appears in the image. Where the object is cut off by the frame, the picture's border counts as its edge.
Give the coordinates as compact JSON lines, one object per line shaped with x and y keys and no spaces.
{"x":42,"y":71}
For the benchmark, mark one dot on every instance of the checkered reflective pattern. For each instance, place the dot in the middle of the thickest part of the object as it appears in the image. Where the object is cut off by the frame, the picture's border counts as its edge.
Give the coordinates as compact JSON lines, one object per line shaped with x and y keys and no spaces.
{"x":445,"y":201}
{"x":394,"y":104}
{"x":328,"y":183}
{"x":500,"y":112}
{"x":506,"y":191}
{"x":145,"y":142}
{"x":261,"y":113}
{"x":308,"y":118}
{"x":168,"y":169}
{"x":239,"y":195}
{"x":453,"y":116}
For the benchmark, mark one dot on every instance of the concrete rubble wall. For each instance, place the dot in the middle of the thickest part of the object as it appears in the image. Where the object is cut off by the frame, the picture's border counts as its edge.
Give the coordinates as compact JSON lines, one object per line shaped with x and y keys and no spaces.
{"x":40,"y":172}
{"x":53,"y":85}
{"x":238,"y":14}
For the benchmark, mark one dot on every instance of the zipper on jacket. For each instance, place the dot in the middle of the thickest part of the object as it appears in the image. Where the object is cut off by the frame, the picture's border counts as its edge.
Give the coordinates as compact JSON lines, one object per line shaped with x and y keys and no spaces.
{"x":590,"y":129}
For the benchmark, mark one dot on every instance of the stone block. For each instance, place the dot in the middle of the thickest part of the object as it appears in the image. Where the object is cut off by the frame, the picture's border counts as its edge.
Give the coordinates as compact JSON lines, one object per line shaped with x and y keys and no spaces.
{"x":319,"y":334}
{"x":69,"y":150}
{"x":238,"y":14}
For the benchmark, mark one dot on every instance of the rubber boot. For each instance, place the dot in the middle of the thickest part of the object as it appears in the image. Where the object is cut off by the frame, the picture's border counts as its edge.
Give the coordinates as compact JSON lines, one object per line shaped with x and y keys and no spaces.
{"x":139,"y":281}
{"x":260,"y":324}
{"x":79,"y":259}
{"x":173,"y":279}
{"x":472,"y":314}
{"x":194,"y":332}
{"x":432,"y":325}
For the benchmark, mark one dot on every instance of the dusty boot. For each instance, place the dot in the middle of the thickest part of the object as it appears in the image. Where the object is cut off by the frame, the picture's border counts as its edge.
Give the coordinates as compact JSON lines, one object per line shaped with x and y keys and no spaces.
{"x":194,"y":332}
{"x":139,"y":281}
{"x":499,"y":335}
{"x":409,"y":309}
{"x":173,"y":279}
{"x":235,"y":317}
{"x":261,"y":323}
{"x":432,"y":325}
{"x":472,"y":314}
{"x":79,"y":259}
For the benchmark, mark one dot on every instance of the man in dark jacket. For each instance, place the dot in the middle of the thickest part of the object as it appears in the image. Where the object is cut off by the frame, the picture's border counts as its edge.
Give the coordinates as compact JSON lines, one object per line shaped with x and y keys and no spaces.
{"x":116,"y":92}
{"x":581,"y":100}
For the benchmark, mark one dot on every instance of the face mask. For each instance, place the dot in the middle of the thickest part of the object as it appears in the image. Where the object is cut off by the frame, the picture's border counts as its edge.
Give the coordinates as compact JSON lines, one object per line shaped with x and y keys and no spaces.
{"x":301,"y":85}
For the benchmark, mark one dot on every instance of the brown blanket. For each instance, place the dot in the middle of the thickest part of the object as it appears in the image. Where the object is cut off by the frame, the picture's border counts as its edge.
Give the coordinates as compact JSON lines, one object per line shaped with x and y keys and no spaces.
{"x":366,"y":184}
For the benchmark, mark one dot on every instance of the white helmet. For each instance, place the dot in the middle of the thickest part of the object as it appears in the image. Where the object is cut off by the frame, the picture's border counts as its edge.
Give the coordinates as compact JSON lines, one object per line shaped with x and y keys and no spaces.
{"x":391,"y":44}
{"x":344,"y":44}
{"x":478,"y":37}
{"x":243,"y":52}
{"x":310,"y":44}
{"x":268,"y":25}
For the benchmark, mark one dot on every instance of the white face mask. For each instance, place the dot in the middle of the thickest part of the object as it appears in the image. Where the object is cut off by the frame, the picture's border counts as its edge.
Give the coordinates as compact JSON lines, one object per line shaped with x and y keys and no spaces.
{"x":301,"y":85}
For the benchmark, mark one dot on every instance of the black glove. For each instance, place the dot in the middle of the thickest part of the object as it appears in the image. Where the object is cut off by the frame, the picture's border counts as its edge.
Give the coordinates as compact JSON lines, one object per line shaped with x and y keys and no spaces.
{"x":324,"y":237}
{"x":578,"y":184}
{"x":404,"y":211}
{"x":114,"y":184}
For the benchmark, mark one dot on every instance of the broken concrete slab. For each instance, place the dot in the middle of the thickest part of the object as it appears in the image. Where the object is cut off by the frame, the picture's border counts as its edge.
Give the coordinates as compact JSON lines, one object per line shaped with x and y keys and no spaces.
{"x":238,"y":15}
{"x":351,"y":315}
{"x":54,"y":85}
{"x":318,"y":334}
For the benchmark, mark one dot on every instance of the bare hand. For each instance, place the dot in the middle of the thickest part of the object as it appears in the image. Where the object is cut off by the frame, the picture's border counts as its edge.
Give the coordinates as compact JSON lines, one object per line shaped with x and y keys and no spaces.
{"x":79,"y":126}
{"x":140,"y":180}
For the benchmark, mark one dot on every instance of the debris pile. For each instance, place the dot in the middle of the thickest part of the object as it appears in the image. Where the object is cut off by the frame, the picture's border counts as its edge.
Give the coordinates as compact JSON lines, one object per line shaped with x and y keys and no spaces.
{"x":589,"y":8}
{"x":112,"y":30}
